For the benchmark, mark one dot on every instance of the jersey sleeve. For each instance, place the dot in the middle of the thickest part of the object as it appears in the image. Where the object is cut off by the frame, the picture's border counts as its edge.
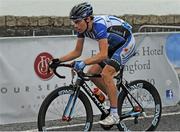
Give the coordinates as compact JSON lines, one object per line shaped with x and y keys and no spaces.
{"x":100,"y":31}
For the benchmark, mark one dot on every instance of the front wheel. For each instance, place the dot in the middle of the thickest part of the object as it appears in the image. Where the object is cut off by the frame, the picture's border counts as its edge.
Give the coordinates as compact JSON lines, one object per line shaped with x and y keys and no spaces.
{"x":51,"y":114}
{"x":144,"y":116}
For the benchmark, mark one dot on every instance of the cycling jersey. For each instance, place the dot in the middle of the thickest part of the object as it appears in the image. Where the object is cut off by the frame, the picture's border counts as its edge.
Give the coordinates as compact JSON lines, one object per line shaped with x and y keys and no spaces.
{"x":119,"y":36}
{"x":114,"y":29}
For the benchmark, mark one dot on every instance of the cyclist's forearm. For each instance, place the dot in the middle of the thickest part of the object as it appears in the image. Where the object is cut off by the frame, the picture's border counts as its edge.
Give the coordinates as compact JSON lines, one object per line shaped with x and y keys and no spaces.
{"x":95,"y":59}
{"x":70,"y":56}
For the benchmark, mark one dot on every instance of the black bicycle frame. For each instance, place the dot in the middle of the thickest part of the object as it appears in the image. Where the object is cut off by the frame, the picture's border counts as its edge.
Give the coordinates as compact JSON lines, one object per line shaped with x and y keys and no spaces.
{"x":80,"y":82}
{"x":88,"y":90}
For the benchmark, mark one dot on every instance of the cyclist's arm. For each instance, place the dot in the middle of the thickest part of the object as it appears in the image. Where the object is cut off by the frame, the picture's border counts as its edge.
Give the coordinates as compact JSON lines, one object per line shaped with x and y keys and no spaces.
{"x":75,"y":53}
{"x":103,"y":53}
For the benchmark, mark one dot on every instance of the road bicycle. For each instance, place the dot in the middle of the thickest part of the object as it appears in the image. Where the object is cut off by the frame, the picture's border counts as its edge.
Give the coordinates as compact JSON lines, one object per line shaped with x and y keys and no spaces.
{"x":69,"y":108}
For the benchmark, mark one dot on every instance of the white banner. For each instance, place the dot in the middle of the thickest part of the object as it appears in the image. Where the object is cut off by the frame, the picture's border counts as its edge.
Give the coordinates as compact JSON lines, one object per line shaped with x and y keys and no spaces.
{"x":24,"y":83}
{"x":151,"y":63}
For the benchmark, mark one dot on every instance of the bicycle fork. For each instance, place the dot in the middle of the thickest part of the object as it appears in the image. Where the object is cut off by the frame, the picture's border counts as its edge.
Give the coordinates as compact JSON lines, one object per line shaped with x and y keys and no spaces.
{"x":68,"y":112}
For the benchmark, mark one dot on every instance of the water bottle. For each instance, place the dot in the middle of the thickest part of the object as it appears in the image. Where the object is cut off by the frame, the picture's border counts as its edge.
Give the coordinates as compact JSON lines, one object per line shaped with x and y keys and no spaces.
{"x":99,"y":94}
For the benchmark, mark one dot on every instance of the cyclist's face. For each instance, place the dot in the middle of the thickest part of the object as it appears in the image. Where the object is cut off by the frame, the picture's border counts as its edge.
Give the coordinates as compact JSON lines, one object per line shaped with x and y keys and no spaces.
{"x":80,"y":25}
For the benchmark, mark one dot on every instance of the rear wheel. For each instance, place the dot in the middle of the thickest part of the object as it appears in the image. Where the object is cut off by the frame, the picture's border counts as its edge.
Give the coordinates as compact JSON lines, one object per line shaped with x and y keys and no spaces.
{"x":50,"y":117}
{"x":135,"y":118}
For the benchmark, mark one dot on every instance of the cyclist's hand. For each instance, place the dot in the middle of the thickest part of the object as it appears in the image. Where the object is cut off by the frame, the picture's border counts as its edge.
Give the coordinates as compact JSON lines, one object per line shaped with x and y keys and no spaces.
{"x":79,"y":65}
{"x":54,"y":63}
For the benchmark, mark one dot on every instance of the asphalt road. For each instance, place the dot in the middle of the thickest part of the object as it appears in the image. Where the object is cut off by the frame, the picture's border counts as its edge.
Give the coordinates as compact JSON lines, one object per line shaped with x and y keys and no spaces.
{"x":170,"y":121}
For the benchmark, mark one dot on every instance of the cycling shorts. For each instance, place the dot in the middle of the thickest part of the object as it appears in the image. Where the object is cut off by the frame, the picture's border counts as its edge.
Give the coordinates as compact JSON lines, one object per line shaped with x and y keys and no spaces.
{"x":119,"y":55}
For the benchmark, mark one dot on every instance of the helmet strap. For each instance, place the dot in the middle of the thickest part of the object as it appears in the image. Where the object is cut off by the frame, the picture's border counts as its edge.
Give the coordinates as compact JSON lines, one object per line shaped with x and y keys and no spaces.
{"x":87,"y":24}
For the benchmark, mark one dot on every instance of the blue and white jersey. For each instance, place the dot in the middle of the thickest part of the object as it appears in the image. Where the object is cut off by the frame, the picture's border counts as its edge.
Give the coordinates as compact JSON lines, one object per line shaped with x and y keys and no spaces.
{"x":114,"y":29}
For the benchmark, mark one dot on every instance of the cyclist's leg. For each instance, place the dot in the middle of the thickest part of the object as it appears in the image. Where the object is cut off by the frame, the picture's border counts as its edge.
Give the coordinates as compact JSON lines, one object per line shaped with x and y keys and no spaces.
{"x":99,"y":82}
{"x":119,"y":57}
{"x":97,"y":69}
{"x":107,"y":75}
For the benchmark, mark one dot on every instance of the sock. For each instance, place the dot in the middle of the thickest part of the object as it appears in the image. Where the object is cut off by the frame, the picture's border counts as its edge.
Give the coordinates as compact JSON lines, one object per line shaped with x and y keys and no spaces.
{"x":113,"y":111}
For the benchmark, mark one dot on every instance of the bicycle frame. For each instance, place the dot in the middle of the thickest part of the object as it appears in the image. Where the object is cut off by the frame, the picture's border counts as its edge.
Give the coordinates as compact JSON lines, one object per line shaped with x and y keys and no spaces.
{"x":81,"y":83}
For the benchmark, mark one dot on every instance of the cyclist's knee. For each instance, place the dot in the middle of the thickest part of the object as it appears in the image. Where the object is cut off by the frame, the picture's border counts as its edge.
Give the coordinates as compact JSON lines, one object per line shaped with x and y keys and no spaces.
{"x":108,"y":72}
{"x":94,"y":69}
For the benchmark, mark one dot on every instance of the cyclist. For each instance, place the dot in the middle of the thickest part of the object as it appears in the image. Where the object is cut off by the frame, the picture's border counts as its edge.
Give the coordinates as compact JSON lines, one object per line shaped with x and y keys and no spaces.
{"x":116,"y":46}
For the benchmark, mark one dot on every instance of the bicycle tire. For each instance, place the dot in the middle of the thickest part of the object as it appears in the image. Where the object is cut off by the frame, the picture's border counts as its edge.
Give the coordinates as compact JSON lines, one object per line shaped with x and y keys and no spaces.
{"x":153,"y":114}
{"x":56,"y":123}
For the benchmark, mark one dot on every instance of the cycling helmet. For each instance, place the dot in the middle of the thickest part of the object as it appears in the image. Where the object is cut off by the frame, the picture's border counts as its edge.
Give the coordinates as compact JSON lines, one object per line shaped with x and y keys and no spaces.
{"x":81,"y":11}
